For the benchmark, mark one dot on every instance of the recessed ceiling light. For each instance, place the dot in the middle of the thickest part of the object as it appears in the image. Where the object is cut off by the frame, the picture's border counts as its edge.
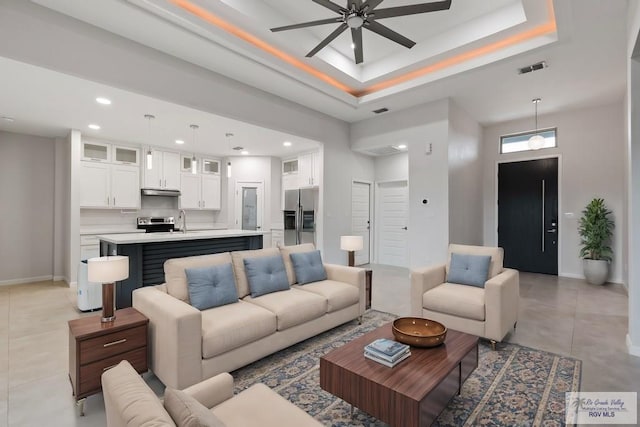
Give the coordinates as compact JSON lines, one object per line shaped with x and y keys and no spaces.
{"x":103,"y":101}
{"x":179,"y":141}
{"x":244,"y":152}
{"x":7,"y":119}
{"x":94,"y":127}
{"x":287,"y":144}
{"x":402,"y":146}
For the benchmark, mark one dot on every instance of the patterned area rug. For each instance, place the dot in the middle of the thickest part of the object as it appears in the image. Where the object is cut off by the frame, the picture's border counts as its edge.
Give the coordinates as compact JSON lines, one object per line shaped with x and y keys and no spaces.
{"x":513,"y":386}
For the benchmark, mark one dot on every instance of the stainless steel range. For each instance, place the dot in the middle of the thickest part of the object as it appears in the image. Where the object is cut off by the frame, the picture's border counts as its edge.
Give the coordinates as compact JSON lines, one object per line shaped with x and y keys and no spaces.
{"x":156,"y":224}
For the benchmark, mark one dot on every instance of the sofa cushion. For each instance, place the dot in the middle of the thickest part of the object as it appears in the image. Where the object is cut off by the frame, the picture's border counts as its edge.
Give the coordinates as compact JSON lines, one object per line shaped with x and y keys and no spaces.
{"x":497,"y":256}
{"x":286,"y":251}
{"x":456,"y":300}
{"x":176,"y":278}
{"x":187,"y":411}
{"x":465,"y":269}
{"x":338,"y":294}
{"x":292,"y":307}
{"x":260,"y":406}
{"x":231,"y":326}
{"x":265,"y":275}
{"x":211,"y":286}
{"x":308,"y":267}
{"x":129,"y":401}
{"x":238,"y":266}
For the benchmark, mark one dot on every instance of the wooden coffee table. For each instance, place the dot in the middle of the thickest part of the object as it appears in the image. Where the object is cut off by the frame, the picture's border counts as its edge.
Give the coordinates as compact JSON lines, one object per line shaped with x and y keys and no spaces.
{"x":414,"y":392}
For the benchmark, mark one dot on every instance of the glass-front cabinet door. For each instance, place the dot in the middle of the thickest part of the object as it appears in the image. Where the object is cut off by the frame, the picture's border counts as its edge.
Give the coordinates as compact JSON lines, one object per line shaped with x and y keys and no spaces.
{"x":126,"y":155}
{"x":95,"y":151}
{"x":210,"y":166}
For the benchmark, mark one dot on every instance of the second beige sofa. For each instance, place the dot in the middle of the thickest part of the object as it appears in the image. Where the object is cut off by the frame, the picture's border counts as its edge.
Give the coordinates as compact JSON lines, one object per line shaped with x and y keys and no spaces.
{"x":188,"y":345}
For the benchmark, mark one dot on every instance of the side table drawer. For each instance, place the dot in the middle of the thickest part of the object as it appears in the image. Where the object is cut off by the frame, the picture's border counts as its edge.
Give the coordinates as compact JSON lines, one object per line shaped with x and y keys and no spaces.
{"x":111,"y":344}
{"x":91,"y":374}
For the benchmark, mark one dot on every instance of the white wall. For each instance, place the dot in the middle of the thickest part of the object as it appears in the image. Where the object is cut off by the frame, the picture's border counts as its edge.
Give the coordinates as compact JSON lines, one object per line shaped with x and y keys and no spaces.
{"x":465,"y":178}
{"x":277,"y":220}
{"x":591,"y":149}
{"x":392,"y":168}
{"x":27,"y":180}
{"x":61,"y":209}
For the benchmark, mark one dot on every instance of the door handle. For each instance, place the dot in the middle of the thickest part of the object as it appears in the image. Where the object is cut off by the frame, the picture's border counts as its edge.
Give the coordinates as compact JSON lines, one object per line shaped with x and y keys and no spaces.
{"x":553,"y":230}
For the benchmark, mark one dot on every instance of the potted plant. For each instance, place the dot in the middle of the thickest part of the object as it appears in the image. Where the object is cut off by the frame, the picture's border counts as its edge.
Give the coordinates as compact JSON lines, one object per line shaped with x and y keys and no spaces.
{"x":596,"y":228}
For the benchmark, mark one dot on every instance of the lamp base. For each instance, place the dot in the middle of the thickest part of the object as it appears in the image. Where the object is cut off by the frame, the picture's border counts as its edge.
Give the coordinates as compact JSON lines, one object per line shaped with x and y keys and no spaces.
{"x":108,"y":302}
{"x":352,"y":258}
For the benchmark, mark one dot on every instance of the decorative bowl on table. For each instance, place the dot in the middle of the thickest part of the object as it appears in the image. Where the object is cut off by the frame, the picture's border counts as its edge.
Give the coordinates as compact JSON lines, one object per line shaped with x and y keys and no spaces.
{"x":419,"y":332}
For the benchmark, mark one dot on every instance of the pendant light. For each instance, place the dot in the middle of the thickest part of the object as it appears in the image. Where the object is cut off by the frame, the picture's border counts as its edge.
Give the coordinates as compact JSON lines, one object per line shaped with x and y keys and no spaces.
{"x":229,"y":135}
{"x":536,"y":142}
{"x":149,"y":117}
{"x":194,"y":161}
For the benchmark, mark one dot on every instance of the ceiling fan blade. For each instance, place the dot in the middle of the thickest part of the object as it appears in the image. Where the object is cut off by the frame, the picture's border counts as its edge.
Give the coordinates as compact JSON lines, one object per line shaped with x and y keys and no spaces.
{"x":328,"y":40}
{"x":371,"y":4}
{"x":413,"y":9}
{"x":356,"y":37}
{"x":389,"y":33}
{"x":331,"y":5}
{"x":307,"y":24}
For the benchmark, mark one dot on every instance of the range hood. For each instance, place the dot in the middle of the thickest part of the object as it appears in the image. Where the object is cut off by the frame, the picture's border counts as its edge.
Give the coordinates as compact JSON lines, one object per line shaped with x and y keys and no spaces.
{"x":158,"y":192}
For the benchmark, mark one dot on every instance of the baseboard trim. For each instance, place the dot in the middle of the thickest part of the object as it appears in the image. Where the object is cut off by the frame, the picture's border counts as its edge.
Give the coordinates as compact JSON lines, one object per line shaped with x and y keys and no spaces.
{"x":25,"y":280}
{"x":634,"y":350}
{"x":615,"y":280}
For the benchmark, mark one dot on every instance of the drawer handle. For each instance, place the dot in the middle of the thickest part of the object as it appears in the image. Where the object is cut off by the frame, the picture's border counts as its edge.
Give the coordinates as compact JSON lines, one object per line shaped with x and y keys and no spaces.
{"x":109,"y":344}
{"x":109,"y":367}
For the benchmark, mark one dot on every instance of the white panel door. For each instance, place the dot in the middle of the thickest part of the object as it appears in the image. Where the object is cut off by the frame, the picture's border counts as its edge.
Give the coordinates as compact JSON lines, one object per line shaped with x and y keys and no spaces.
{"x":171,"y":171}
{"x":392,"y":224}
{"x":94,"y":185}
{"x":361,"y":219}
{"x":125,"y":186}
{"x":211,"y":192}
{"x":190,"y":191}
{"x":153,"y":176}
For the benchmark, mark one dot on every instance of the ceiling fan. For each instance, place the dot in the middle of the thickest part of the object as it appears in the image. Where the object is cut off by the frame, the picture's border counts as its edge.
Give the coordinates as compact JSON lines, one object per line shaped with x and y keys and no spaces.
{"x":363,"y":14}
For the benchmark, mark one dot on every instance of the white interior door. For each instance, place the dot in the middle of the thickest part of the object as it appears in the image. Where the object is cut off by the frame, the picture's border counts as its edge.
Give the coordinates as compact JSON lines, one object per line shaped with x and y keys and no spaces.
{"x":249,"y":205}
{"x":361,"y":218}
{"x":393,"y":208}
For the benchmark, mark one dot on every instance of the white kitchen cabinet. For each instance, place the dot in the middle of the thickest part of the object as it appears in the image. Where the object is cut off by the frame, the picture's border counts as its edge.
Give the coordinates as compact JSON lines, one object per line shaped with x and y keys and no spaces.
{"x":308,"y":170}
{"x":96,"y":151}
{"x":125,"y":155}
{"x":200,"y":192}
{"x":164,"y":172}
{"x":289,"y":166}
{"x":109,"y":186}
{"x":210,"y":167}
{"x":289,"y":182}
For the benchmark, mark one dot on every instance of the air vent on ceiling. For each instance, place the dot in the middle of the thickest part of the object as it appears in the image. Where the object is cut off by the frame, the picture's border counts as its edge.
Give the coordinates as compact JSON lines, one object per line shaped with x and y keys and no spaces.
{"x":382,"y":151}
{"x":534,"y":67}
{"x":381,"y":110}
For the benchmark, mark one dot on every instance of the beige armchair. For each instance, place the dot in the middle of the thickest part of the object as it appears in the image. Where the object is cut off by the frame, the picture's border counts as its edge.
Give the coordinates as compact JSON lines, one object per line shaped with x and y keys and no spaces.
{"x":488,"y":312}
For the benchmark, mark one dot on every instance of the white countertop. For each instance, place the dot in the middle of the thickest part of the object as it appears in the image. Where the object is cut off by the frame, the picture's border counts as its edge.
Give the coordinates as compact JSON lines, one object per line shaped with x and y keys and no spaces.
{"x":125,"y":238}
{"x":122,"y":229}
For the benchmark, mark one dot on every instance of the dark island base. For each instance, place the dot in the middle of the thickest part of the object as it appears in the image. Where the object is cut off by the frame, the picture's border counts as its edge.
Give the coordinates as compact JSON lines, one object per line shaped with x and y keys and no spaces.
{"x":146,"y":260}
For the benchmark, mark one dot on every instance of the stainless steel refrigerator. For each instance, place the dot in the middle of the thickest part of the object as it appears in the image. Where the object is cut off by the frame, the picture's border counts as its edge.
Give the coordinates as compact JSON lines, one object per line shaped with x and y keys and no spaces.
{"x":299,"y":216}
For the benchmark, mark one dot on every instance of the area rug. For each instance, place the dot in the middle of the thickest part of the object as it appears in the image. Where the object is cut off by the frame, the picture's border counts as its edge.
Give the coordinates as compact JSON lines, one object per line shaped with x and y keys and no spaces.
{"x":513,"y":386}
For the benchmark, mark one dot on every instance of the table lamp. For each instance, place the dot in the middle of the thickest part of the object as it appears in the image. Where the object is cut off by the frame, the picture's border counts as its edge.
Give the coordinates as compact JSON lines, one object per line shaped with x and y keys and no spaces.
{"x":108,"y":270}
{"x":351,"y":244}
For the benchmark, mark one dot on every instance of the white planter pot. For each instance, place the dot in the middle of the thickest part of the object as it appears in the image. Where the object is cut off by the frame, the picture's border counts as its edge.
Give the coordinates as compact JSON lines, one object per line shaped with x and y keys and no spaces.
{"x":596,"y":271}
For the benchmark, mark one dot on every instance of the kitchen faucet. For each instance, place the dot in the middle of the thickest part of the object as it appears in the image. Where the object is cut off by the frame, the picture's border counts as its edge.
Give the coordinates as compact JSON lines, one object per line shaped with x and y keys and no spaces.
{"x":183,"y":215}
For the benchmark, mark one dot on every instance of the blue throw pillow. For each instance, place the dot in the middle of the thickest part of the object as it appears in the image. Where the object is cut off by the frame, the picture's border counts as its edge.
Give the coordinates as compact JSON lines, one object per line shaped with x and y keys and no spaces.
{"x":469,"y":269}
{"x":266,"y":275}
{"x":308,"y":267}
{"x":211,"y":286}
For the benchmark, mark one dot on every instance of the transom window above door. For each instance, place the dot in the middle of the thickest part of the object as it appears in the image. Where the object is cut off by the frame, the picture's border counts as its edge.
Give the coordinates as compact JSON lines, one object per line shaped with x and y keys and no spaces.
{"x":520,"y":141}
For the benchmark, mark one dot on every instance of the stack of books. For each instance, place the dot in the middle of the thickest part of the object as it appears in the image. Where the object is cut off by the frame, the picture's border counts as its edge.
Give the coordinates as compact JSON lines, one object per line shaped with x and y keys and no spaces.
{"x":387,"y":352}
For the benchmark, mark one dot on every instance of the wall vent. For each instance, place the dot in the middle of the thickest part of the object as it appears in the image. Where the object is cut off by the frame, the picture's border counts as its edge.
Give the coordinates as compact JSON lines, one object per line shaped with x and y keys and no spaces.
{"x":381,"y":110}
{"x":534,"y":67}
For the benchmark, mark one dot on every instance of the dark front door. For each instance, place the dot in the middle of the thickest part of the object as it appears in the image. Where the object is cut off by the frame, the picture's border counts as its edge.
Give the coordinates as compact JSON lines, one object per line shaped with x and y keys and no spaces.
{"x":528,"y":215}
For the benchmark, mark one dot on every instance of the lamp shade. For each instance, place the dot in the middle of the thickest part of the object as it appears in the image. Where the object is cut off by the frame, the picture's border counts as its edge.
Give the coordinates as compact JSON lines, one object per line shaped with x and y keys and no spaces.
{"x":351,"y":243}
{"x":107,"y":269}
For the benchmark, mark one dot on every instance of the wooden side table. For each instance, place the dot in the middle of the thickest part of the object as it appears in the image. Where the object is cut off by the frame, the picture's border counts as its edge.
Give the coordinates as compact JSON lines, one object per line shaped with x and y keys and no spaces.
{"x":95,"y":347}
{"x":368,"y":280}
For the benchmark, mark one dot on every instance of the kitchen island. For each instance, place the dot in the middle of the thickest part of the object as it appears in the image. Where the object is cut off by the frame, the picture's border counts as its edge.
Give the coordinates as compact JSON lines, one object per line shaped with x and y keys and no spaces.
{"x":147,"y":252}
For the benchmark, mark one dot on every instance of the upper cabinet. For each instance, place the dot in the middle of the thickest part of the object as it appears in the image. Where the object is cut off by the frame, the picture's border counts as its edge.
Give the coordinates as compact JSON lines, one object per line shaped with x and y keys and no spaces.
{"x":109,"y":176}
{"x":163,"y":171}
{"x":210,"y":167}
{"x":289,"y":166}
{"x":200,"y":191}
{"x":308,"y":170}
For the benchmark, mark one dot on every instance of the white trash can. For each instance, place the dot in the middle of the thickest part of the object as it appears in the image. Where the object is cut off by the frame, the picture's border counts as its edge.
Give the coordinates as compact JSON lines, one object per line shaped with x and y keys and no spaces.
{"x":89,"y":293}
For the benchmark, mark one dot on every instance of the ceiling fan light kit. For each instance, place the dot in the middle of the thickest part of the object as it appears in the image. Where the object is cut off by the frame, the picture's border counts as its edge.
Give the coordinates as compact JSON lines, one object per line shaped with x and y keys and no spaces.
{"x":358,"y":15}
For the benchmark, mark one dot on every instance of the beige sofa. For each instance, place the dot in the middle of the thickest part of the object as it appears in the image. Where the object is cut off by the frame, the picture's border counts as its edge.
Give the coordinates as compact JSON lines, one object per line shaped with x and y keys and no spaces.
{"x":188,"y":345}
{"x":488,"y":312}
{"x":129,"y":402}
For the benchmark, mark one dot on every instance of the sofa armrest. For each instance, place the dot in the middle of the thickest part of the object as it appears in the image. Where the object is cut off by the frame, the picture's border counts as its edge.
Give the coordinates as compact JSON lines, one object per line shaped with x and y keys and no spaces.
{"x":212,"y":391}
{"x":502,"y":294}
{"x":351,"y":275}
{"x":423,"y":279}
{"x":175,"y":337}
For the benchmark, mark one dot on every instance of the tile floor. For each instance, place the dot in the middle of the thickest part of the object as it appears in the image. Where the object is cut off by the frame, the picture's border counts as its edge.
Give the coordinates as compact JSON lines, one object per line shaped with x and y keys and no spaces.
{"x":564,"y":316}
